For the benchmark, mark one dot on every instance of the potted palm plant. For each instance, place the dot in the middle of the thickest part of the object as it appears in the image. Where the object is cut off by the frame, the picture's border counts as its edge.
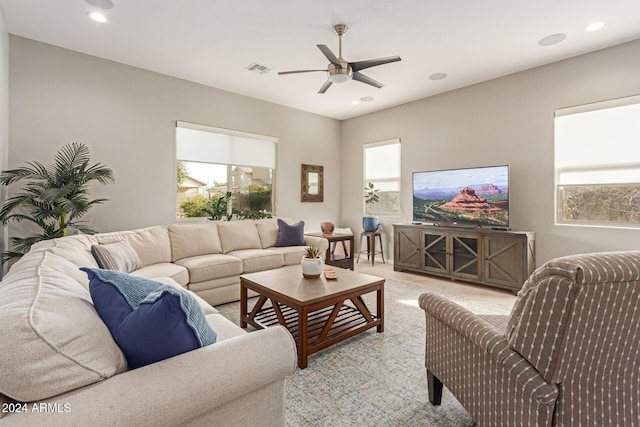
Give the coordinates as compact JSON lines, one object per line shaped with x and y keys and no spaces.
{"x":54,"y":197}
{"x":370,"y":223}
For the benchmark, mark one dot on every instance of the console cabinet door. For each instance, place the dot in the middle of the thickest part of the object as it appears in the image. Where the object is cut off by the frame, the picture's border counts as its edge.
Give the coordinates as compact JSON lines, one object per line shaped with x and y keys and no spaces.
{"x":407,"y":247}
{"x":464,"y":250}
{"x":498,"y":258}
{"x":504,"y":261}
{"x":435,"y":252}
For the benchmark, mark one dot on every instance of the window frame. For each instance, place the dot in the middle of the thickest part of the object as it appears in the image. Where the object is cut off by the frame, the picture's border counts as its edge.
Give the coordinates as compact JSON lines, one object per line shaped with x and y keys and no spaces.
{"x":231,"y":166}
{"x":398,"y":179}
{"x":560,"y":188}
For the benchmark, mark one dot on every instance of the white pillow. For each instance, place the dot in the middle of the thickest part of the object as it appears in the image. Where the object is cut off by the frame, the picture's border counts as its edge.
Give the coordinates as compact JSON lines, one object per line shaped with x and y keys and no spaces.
{"x":119,"y":256}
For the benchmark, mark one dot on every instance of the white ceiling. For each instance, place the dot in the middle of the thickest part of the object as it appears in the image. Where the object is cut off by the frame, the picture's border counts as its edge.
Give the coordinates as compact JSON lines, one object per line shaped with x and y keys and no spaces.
{"x":212,"y":42}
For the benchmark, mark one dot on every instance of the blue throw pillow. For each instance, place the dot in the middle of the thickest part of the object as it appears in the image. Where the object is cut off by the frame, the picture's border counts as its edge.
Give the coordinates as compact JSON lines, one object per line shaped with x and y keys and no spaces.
{"x":290,"y":235}
{"x":148,"y":320}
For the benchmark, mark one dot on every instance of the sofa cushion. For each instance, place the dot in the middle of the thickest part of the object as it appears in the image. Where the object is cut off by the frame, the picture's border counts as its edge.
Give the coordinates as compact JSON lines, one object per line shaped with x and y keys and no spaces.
{"x":152,"y":244}
{"x":236,"y":235}
{"x":268,"y":231}
{"x":68,"y":268}
{"x":189,"y":240}
{"x":290,"y":234}
{"x":56,"y":341}
{"x":206,"y":307}
{"x":76,"y":249}
{"x":291,"y":254}
{"x":164,"y":269}
{"x":149,"y":321}
{"x":119,"y":256}
{"x":258,"y":259}
{"x":207,"y":267}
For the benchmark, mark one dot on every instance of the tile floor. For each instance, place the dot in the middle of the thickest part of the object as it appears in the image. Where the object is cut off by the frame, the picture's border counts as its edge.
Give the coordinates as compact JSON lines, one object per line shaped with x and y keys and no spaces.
{"x":482,"y":292}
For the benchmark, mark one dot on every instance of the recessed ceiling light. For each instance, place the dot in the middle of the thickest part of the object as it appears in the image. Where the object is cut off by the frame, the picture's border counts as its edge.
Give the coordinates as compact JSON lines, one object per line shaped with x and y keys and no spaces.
{"x":595,"y":26}
{"x":366,"y":98}
{"x":100,"y":4}
{"x":355,"y":102}
{"x":552,"y":39}
{"x":437,"y":76}
{"x":97,"y":16}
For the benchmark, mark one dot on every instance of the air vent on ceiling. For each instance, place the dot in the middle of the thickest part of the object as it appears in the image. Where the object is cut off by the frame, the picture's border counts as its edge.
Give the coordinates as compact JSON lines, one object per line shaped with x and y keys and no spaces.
{"x":258,"y":68}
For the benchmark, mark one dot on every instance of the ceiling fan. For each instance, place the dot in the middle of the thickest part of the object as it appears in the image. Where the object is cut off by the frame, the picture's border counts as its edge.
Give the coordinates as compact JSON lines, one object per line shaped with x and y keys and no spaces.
{"x":339,"y":70}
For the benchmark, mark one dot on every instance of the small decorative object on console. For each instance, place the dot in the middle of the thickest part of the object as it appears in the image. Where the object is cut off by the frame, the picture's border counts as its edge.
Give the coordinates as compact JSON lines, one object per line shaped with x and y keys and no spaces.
{"x":330,"y":273}
{"x":311,"y":263}
{"x":370,"y":223}
{"x":327,"y":227}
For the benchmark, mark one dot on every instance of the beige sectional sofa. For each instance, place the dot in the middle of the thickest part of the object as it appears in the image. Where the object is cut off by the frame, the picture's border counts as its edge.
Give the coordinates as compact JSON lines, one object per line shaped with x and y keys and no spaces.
{"x":206,"y":257}
{"x":59,"y":364}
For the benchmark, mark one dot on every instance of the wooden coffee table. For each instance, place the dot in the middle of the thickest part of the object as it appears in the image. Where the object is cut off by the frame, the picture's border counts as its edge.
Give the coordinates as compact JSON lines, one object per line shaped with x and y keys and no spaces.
{"x":317,"y":312}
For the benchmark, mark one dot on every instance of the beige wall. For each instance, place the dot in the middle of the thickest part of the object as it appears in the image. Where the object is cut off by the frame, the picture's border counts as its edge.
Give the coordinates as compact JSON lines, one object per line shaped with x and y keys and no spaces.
{"x":504,"y":121}
{"x":4,"y":112}
{"x":127,"y":117}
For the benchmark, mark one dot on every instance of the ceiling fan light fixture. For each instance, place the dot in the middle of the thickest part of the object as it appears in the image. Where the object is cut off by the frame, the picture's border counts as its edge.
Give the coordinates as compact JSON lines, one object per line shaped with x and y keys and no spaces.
{"x":340,"y":74}
{"x":339,"y":78}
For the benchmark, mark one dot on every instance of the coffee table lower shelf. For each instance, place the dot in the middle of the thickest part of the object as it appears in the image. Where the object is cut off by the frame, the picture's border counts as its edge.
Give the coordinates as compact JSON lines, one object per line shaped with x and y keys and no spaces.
{"x":348,"y":322}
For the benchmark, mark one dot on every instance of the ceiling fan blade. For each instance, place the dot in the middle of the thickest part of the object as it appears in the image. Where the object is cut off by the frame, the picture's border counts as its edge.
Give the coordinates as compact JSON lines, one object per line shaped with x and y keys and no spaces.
{"x":368,"y":80}
{"x":330,"y":56}
{"x":325,"y":86}
{"x":361,"y":65}
{"x":299,"y":71}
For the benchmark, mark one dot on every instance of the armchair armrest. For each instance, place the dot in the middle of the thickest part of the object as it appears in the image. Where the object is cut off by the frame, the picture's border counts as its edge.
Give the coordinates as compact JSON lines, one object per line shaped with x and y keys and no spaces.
{"x":489,"y":341}
{"x":178,"y":389}
{"x":466,"y":323}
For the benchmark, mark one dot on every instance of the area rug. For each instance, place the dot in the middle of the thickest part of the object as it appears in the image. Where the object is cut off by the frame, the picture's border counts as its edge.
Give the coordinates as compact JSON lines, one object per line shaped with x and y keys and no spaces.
{"x":376,"y":379}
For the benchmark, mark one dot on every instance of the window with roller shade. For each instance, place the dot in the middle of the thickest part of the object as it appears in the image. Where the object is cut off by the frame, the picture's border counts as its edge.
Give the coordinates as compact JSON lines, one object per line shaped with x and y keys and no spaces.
{"x":382,"y":169}
{"x":597,"y":164}
{"x":212,"y":161}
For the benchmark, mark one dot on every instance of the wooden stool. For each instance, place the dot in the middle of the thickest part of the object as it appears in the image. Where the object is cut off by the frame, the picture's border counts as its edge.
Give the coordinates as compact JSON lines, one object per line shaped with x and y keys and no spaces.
{"x":371,"y":246}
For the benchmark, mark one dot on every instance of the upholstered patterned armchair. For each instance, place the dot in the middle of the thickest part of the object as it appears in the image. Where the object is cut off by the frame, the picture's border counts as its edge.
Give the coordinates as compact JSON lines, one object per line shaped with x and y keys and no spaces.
{"x":568,"y":355}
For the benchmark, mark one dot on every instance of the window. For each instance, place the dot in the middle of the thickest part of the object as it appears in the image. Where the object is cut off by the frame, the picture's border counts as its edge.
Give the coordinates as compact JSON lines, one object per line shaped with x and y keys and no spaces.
{"x":221,"y":173}
{"x":382,"y":169}
{"x":597,"y":162}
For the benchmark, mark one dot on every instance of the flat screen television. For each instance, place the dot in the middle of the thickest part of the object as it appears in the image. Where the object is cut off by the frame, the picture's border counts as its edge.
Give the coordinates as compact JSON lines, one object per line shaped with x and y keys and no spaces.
{"x":473,"y":196}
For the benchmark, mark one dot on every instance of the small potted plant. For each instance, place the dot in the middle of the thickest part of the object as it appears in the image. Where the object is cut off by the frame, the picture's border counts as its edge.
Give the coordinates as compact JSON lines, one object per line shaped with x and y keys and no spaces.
{"x":311,"y":263}
{"x":370,"y":223}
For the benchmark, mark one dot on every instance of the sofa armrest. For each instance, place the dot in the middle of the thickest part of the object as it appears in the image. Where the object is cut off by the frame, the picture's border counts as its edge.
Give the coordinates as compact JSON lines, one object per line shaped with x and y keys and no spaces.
{"x":462,"y":325}
{"x":178,"y":389}
{"x":320,"y":242}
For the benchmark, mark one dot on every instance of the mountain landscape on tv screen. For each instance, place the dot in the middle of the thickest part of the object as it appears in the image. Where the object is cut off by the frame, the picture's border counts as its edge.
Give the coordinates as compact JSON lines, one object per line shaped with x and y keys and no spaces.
{"x":484,"y":204}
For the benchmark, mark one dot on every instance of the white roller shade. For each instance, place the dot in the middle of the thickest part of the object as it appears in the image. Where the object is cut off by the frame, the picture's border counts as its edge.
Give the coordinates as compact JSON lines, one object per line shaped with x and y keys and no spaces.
{"x":382,"y":164}
{"x":598,"y":144}
{"x":198,"y":143}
